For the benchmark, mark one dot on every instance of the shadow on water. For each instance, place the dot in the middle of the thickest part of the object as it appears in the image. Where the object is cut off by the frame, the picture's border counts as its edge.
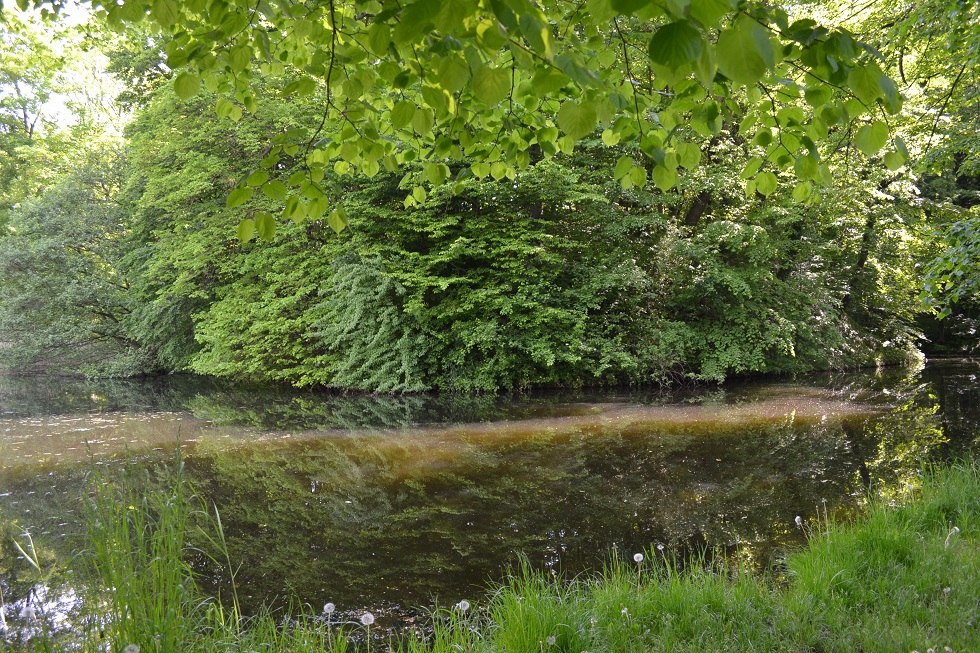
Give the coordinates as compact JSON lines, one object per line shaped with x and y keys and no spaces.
{"x":394,"y":503}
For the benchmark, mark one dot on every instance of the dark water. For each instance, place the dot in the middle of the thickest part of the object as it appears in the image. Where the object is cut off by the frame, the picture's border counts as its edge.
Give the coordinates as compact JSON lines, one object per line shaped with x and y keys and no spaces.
{"x":396,"y":504}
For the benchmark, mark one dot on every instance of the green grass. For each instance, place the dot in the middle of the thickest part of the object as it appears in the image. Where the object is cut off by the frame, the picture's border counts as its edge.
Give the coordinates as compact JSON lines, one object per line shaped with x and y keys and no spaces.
{"x":899,"y":579}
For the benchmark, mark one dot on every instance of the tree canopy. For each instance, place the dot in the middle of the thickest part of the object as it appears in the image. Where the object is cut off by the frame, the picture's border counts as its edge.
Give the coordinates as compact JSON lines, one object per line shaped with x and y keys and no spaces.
{"x":478,"y":88}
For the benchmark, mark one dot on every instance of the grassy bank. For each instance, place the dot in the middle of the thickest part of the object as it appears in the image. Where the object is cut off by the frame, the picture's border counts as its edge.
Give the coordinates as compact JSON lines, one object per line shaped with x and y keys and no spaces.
{"x":902,"y":578}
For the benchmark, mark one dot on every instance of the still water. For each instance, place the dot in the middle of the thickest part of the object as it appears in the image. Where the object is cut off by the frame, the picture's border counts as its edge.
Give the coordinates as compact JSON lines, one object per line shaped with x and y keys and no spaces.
{"x":396,"y":504}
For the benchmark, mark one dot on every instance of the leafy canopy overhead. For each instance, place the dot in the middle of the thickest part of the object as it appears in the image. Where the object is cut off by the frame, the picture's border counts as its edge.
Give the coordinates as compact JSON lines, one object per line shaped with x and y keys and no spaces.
{"x":483,"y":87}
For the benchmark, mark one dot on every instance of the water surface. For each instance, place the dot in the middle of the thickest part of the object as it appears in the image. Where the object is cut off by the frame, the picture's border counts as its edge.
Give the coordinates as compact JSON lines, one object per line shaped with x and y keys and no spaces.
{"x":394,"y":504}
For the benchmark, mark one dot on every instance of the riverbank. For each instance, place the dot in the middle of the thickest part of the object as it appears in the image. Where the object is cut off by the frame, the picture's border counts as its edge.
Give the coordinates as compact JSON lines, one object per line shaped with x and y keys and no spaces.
{"x":904,"y":577}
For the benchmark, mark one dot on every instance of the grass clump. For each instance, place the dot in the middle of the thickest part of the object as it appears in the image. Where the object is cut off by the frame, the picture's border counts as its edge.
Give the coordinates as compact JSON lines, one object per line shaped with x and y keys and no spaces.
{"x":903,"y":578}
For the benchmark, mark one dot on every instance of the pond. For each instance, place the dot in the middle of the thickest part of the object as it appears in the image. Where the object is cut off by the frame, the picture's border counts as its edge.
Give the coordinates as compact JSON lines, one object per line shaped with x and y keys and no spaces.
{"x":397,"y":504}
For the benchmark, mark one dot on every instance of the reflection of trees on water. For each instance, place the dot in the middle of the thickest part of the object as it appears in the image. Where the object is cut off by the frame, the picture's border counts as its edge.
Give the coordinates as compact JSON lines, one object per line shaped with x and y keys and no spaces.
{"x":402,"y":520}
{"x":401,"y":516}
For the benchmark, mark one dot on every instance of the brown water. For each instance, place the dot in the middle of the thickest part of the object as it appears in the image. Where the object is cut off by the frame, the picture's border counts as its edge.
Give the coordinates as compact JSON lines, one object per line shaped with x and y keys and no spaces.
{"x":395,"y":504}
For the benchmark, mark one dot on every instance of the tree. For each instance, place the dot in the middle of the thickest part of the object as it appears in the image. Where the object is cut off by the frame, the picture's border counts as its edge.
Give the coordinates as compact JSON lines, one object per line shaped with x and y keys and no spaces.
{"x":63,"y":301}
{"x":498,"y":83}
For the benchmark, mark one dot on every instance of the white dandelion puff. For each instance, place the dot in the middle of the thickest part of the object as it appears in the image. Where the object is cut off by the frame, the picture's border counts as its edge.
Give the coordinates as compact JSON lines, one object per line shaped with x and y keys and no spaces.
{"x":367,"y":618}
{"x":463,"y":605}
{"x":328,"y":608}
{"x":953,"y":532}
{"x":131,"y":648}
{"x":637,"y":557}
{"x":799,"y":521}
{"x":551,"y":640}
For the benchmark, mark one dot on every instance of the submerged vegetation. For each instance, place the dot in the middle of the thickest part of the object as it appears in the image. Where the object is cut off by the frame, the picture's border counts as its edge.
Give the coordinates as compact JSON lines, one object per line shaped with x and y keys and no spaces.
{"x":904,"y":576}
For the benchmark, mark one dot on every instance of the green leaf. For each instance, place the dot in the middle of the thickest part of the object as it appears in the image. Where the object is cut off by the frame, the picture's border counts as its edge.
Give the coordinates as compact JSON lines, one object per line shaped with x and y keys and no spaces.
{"x":889,"y":89}
{"x":423,"y":121}
{"x":246,"y":230}
{"x":806,"y":167}
{"x":894,"y":160}
{"x":752,"y":167}
{"x":865,"y":82}
{"x":491,"y":85}
{"x":637,"y":176}
{"x":402,"y":114}
{"x":275,"y":190}
{"x":626,"y":7}
{"x":436,"y":173}
{"x":498,"y":170}
{"x":165,"y":12}
{"x":766,"y":183}
{"x":337,"y":219}
{"x":238,"y":196}
{"x":265,"y":225}
{"x":689,"y":154}
{"x":818,"y":96}
{"x":577,"y":120}
{"x":744,"y":52}
{"x":623,"y":166}
{"x":453,"y":74}
{"x":187,"y":85}
{"x":709,"y":12}
{"x":257,"y":178}
{"x":240,"y":58}
{"x":610,"y":137}
{"x":802,"y":191}
{"x":379,"y":38}
{"x":871,"y":138}
{"x":676,"y":45}
{"x":664,"y":178}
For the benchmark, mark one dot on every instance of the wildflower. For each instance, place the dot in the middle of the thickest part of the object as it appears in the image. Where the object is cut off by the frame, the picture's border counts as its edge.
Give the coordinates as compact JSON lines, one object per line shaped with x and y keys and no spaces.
{"x":367,"y":618}
{"x":131,"y":648}
{"x":463,"y":605}
{"x":953,"y":532}
{"x":328,"y":608}
{"x":551,"y":640}
{"x":637,"y":557}
{"x":660,"y":547}
{"x":799,"y":521}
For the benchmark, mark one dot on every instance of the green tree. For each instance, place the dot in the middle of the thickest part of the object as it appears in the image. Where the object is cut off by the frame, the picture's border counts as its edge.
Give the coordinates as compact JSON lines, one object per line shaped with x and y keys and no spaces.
{"x":63,"y":301}
{"x":494,"y":83}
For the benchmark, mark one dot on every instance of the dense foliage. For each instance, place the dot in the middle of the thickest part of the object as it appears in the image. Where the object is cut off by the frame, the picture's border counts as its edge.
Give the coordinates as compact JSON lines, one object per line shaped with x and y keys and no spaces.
{"x":207,"y":241}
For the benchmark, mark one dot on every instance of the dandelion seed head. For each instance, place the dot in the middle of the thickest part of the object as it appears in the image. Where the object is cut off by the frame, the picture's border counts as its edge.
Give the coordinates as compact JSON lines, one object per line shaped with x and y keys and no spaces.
{"x":637,"y":557}
{"x":551,"y":640}
{"x":463,"y":605}
{"x":799,"y":521}
{"x":624,"y":611}
{"x":660,"y":547}
{"x":930,"y":650}
{"x":131,"y":648}
{"x":328,"y":608}
{"x":367,"y":618}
